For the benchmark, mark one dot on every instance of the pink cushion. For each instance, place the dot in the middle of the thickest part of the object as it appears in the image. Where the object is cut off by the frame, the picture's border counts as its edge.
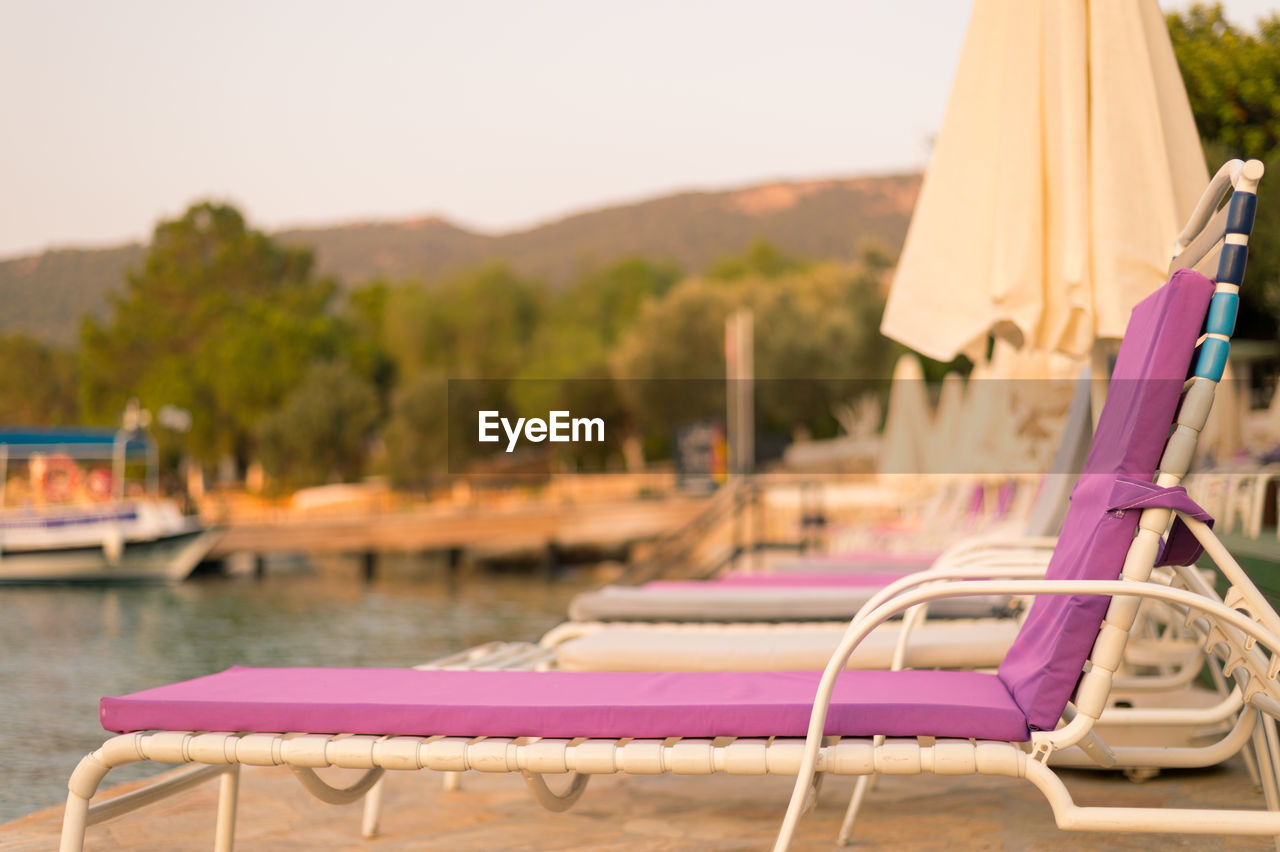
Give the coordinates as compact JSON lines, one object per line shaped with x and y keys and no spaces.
{"x":571,"y":704}
{"x":861,"y":560}
{"x":1045,"y":661}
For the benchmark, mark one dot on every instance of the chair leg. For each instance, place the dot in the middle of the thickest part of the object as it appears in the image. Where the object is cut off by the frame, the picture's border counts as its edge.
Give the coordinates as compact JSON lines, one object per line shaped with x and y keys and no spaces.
{"x":1251,"y":764}
{"x":1269,"y":764}
{"x":1269,"y":761}
{"x":224,"y":835}
{"x":1220,"y":683}
{"x":866,"y":783}
{"x":82,"y":785}
{"x":815,"y":789}
{"x":451,"y":782}
{"x":1273,"y":752}
{"x":372,"y":820}
{"x":1266,"y":772}
{"x":75,"y":820}
{"x":860,"y":790}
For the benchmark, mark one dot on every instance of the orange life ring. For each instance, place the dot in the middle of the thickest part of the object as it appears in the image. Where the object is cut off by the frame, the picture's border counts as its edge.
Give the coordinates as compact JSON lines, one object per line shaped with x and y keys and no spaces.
{"x":60,"y":478}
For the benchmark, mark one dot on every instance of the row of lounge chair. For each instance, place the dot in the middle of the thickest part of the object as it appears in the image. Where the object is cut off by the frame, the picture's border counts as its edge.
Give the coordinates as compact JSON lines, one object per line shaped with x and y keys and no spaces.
{"x":1124,"y":569}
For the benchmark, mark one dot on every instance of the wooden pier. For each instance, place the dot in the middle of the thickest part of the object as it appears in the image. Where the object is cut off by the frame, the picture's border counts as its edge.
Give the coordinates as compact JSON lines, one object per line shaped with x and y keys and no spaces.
{"x":531,"y":530}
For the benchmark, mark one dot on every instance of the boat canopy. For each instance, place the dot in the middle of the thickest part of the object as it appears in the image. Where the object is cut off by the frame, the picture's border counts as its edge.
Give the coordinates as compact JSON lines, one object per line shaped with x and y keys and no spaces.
{"x":77,"y":442}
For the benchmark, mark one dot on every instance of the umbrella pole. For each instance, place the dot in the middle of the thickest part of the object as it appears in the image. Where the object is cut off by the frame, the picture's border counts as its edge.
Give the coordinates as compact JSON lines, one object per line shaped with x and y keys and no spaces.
{"x":1102,"y":356}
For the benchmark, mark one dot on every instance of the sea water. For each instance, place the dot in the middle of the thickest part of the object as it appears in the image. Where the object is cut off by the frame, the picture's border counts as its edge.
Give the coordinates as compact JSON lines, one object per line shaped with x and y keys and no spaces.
{"x":64,"y":647}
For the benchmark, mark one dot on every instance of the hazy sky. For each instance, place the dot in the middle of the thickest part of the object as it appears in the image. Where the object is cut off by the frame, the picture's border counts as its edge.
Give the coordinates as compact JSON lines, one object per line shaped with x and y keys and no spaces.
{"x":497,"y":115}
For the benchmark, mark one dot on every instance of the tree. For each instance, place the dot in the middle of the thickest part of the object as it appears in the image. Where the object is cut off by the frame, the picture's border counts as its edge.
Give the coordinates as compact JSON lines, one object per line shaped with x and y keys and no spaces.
{"x":475,"y":324}
{"x":817,"y":342}
{"x":1232,"y":79}
{"x":761,"y":259}
{"x":37,"y":385}
{"x":219,"y":320}
{"x":364,"y":319}
{"x":1233,"y":82}
{"x":322,"y":431}
{"x":417,"y":433}
{"x":671,"y":360}
{"x":476,"y":327}
{"x":567,"y":364}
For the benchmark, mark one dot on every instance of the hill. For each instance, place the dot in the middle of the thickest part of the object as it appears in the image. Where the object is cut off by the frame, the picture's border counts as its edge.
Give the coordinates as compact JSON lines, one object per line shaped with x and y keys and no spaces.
{"x":45,"y":295}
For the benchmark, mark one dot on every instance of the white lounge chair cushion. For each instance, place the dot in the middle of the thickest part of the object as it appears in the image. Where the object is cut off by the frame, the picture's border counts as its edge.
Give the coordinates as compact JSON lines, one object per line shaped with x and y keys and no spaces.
{"x":716,"y":602}
{"x":975,"y":643}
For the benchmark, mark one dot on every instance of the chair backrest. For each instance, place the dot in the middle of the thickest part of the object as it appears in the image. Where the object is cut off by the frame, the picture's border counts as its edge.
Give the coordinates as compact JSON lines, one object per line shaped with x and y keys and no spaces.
{"x":1137,"y":434}
{"x":1045,"y":662}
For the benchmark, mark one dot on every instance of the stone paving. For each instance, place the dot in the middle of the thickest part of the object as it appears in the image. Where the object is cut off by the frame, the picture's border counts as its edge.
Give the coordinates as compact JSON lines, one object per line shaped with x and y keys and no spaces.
{"x":494,"y":812}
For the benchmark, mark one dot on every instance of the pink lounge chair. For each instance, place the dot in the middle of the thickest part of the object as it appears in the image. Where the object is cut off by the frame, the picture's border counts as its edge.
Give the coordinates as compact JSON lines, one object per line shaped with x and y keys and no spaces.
{"x":778,"y":598}
{"x":1004,"y":723}
{"x":835,"y":586}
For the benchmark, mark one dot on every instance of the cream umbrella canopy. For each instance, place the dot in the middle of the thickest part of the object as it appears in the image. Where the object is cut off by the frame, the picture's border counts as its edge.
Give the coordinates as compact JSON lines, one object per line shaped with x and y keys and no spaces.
{"x":948,"y":421}
{"x":1066,"y":163}
{"x":905,"y":444}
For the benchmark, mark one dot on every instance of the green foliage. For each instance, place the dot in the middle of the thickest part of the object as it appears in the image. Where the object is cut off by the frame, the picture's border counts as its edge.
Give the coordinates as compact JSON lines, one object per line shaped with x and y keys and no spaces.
{"x":37,"y":384}
{"x":219,"y":320}
{"x":604,"y":302}
{"x":364,"y":316}
{"x":1232,"y":78}
{"x":816,"y":343}
{"x":527,"y":350}
{"x":235,"y":327}
{"x":476,"y":324}
{"x":761,"y":259}
{"x":322,"y":431}
{"x":674,"y":340}
{"x":584,"y":323}
{"x":567,"y":363}
{"x":417,"y":433}
{"x":876,"y":258}
{"x":1260,"y":296}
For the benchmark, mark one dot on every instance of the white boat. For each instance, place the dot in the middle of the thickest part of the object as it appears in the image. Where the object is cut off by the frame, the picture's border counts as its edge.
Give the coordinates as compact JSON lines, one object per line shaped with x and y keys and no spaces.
{"x":65,"y":516}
